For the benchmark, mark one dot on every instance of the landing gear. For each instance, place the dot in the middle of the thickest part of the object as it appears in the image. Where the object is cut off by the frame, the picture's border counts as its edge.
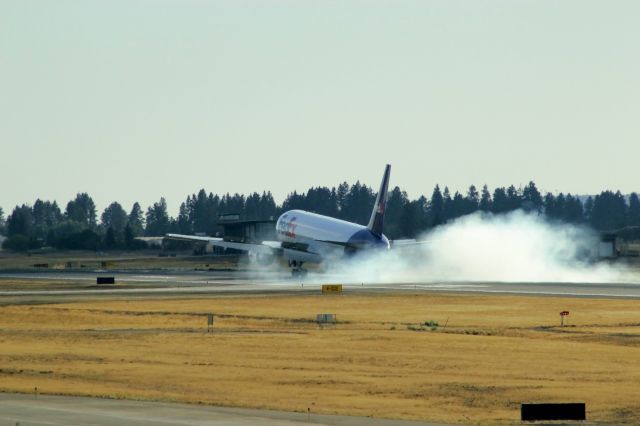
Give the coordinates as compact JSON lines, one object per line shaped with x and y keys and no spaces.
{"x":296,"y":269}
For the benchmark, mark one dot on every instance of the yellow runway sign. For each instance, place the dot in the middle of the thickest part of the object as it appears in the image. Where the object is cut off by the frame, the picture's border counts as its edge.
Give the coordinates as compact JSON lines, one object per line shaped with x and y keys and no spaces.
{"x":331,"y":288}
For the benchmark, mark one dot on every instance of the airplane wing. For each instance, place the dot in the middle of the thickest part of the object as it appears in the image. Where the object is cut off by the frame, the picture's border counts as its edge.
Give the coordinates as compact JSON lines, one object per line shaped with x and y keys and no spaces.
{"x":266,"y":247}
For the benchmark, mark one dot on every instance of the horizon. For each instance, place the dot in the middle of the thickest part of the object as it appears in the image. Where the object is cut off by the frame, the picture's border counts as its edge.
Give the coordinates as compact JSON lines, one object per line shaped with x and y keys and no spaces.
{"x":101,"y":207}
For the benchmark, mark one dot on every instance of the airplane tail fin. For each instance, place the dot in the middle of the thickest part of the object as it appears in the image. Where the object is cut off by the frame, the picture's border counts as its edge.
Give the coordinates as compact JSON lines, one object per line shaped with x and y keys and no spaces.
{"x":377,"y":215}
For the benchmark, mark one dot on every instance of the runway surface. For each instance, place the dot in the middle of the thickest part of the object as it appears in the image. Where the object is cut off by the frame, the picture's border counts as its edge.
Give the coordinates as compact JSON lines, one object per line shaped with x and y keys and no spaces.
{"x":62,"y":410}
{"x":151,"y":284}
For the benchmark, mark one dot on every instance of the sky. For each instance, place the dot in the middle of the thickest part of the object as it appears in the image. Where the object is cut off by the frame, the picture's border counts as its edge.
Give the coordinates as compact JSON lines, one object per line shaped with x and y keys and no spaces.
{"x":132,"y":100}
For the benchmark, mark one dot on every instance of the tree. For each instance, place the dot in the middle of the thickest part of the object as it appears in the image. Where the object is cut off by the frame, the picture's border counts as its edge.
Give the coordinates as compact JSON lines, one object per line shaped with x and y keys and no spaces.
{"x":20,"y":221}
{"x":294,"y":201}
{"x":458,"y":206}
{"x":114,"y":217}
{"x":514,"y":201}
{"x":396,"y":213}
{"x":85,"y":239}
{"x":446,"y":205}
{"x":20,"y":230}
{"x":550,"y":206}
{"x":560,"y":206}
{"x":136,"y":219}
{"x":634,"y":210}
{"x":609,"y":212}
{"x":500,"y":203}
{"x":130,"y":241}
{"x":471,"y":201}
{"x":129,"y":236}
{"x":252,"y":207}
{"x":46,"y":217}
{"x":82,"y":210}
{"x":20,"y":243}
{"x":413,"y":219}
{"x":531,"y":198}
{"x":157,"y":219}
{"x":436,"y":207}
{"x":573,"y":211}
{"x":341,"y":198}
{"x":183,"y":222}
{"x":485,"y":199}
{"x":232,"y":204}
{"x":203,"y":210}
{"x":358,"y":204}
{"x":2,"y":221}
{"x":268,"y":208}
{"x":321,"y":200}
{"x":110,"y":240}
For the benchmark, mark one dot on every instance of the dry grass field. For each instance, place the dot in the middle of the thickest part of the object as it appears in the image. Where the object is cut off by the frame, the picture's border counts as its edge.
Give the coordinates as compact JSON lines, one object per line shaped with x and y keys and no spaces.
{"x":379,"y":360}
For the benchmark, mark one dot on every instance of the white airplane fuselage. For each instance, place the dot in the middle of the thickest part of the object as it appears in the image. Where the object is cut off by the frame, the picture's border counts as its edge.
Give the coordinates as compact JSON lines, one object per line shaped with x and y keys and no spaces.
{"x":324,"y":233}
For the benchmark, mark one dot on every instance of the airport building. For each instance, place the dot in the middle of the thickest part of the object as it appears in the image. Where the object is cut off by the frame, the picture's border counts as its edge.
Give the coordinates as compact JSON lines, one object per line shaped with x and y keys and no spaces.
{"x":235,"y":229}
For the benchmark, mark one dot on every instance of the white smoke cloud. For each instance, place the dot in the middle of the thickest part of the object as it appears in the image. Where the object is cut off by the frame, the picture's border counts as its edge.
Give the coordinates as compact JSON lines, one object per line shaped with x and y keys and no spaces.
{"x":515,"y":247}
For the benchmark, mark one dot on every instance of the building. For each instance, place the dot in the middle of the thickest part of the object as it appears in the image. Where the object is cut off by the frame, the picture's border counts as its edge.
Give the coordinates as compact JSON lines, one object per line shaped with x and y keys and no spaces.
{"x":246,"y":231}
{"x":607,"y":245}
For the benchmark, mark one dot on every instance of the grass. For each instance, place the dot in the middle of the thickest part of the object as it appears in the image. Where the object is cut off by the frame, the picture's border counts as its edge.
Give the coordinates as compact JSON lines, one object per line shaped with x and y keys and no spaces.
{"x":266,"y":352}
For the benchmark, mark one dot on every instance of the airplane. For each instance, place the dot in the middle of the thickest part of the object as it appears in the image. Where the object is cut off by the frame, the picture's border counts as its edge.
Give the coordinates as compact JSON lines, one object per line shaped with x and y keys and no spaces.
{"x":305,"y":237}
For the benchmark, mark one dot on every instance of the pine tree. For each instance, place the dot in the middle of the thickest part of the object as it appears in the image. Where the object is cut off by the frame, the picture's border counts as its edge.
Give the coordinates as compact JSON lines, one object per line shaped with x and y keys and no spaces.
{"x":514,"y":201}
{"x":129,"y":237}
{"x":110,"y":241}
{"x":485,"y":199}
{"x":588,"y":208}
{"x":136,"y":219}
{"x":500,"y":203}
{"x":446,"y":205}
{"x":472,"y":200}
{"x":393,"y":218}
{"x":82,"y":210}
{"x":436,"y":208}
{"x":20,"y":221}
{"x":114,"y":217}
{"x":634,"y":210}
{"x":532,"y":200}
{"x":158,"y":220}
{"x":550,"y":206}
{"x":458,"y":206}
{"x":609,"y":212}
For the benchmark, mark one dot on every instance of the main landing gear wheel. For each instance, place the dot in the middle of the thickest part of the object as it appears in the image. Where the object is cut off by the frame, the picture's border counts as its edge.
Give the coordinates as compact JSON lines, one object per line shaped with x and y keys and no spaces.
{"x":297,"y":270}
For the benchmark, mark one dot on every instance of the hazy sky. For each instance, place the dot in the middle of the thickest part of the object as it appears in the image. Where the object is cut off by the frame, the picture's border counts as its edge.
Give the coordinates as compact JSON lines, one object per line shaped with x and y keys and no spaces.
{"x":137,"y":99}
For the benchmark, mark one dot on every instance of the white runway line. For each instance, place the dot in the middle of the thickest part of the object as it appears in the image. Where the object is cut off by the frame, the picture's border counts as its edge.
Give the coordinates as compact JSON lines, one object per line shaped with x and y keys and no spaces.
{"x":519,"y":292}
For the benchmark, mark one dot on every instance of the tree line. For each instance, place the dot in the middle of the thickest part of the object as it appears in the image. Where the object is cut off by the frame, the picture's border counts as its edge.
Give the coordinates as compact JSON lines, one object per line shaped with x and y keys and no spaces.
{"x":77,"y":226}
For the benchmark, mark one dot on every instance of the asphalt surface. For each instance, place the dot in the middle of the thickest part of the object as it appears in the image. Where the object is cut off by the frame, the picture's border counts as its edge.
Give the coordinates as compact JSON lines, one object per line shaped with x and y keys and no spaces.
{"x":151,"y":284}
{"x":31,"y":410}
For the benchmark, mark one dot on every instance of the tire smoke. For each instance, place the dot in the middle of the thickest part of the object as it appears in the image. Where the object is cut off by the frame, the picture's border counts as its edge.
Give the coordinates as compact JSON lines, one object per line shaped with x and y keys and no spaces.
{"x":514,"y":247}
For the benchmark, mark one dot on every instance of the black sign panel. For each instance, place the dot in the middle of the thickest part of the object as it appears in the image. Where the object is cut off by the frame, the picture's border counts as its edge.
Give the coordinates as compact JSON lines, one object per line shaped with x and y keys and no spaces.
{"x":568,"y":411}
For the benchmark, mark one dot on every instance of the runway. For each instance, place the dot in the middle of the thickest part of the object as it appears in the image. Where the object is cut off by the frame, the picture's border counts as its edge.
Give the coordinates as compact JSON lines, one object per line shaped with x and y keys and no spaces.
{"x":182,"y":283}
{"x":64,"y":410}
